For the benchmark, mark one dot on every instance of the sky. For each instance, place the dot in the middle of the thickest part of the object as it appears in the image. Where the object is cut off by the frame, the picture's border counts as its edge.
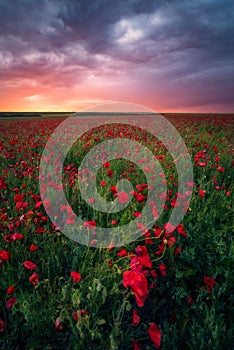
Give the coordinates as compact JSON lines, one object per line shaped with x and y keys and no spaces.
{"x":68,"y":55}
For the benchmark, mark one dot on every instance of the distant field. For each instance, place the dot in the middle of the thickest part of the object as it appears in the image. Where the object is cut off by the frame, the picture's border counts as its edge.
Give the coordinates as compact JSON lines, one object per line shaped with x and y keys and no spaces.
{"x":67,"y":114}
{"x":35,"y":114}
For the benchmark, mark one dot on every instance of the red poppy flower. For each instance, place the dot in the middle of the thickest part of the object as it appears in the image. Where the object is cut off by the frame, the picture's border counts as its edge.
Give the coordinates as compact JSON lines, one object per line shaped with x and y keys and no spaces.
{"x":93,"y":242}
{"x":38,"y":204}
{"x":136,"y":345}
{"x":122,"y":253}
{"x":76,"y":276}
{"x":210,"y":283}
{"x":10,"y":302}
{"x":181,"y":230}
{"x":177,"y":250}
{"x":2,"y":325}
{"x":90,"y":224}
{"x":143,"y":256}
{"x":155,"y":212}
{"x":169,"y":228}
{"x":75,"y":316}
{"x":79,"y":312}
{"x":140,"y":198}
{"x":163,"y":269}
{"x":29,"y":265}
{"x":153,"y":274}
{"x":171,"y":241}
{"x":111,"y":246}
{"x":135,"y":264}
{"x":113,"y":189}
{"x":19,"y":197}
{"x":2,"y":184}
{"x":135,"y":318}
{"x":70,"y":220}
{"x":109,"y":172}
{"x":33,"y":247}
{"x":58,"y":324}
{"x":201,"y":164}
{"x":122,"y":197}
{"x":202,"y":193}
{"x":137,"y":214}
{"x":10,"y":290}
{"x":17,"y":236}
{"x":138,"y":283}
{"x":142,"y":227}
{"x":221,"y":169}
{"x":155,"y":335}
{"x":106,"y":165}
{"x":34,"y":279}
{"x":114,"y":222}
{"x":190,"y":300}
{"x":5,"y":255}
{"x":40,"y":230}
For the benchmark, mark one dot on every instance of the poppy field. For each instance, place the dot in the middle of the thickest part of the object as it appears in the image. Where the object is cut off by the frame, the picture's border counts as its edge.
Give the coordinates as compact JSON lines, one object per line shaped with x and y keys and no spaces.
{"x":171,"y":288}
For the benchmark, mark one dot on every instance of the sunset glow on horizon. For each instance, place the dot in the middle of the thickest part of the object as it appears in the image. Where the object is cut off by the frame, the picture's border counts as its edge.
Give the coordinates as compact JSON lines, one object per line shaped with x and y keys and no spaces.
{"x":67,"y":56}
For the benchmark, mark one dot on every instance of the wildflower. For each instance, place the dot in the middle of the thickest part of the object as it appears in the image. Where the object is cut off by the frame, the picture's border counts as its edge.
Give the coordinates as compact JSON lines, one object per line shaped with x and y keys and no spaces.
{"x":171,"y":241}
{"x":169,"y":228}
{"x":33,"y":247}
{"x":122,"y":197}
{"x":155,"y":212}
{"x":201,"y":164}
{"x":40,"y":230}
{"x":113,"y":189}
{"x":138,"y":283}
{"x":10,"y":302}
{"x":202,"y":193}
{"x":29,"y":265}
{"x":181,"y":230}
{"x":58,"y":324}
{"x":5,"y":255}
{"x":135,"y":318}
{"x":76,"y":276}
{"x":114,"y":222}
{"x":2,"y":325}
{"x":122,"y":253}
{"x":137,"y":214}
{"x":90,"y":224}
{"x":34,"y":279}
{"x":106,"y":165}
{"x":190,"y":300}
{"x":155,"y":335}
{"x":163,"y":269}
{"x":136,"y":345}
{"x":209,"y":282}
{"x":10,"y":290}
{"x":140,"y":198}
{"x":143,"y":256}
{"x":153,"y":274}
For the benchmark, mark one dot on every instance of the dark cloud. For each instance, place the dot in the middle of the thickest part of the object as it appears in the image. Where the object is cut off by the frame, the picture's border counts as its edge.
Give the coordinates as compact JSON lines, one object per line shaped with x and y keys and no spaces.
{"x":183,"y":43}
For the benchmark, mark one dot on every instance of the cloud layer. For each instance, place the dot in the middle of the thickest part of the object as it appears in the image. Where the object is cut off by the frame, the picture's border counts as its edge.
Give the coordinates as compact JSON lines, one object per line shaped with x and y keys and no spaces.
{"x":67,"y":54}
